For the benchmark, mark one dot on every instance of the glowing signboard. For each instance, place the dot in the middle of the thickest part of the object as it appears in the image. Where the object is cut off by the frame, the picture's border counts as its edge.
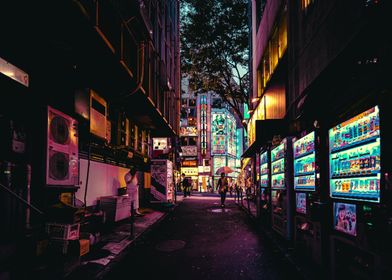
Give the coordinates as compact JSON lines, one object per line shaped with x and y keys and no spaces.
{"x":203,"y":124}
{"x":189,"y":151}
{"x":218,"y":131}
{"x":190,"y":171}
{"x":219,"y":161}
{"x":231,"y":135}
{"x":188,"y":131}
{"x":159,"y":144}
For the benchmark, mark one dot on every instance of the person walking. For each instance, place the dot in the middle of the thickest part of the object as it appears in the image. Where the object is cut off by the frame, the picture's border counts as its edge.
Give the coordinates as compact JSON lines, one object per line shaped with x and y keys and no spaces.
{"x":185,"y":185}
{"x":222,"y":187}
{"x":133,"y":189}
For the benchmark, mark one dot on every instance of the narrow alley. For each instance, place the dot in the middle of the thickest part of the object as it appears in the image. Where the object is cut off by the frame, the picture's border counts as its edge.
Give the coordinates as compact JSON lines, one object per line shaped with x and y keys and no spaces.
{"x":200,"y":241}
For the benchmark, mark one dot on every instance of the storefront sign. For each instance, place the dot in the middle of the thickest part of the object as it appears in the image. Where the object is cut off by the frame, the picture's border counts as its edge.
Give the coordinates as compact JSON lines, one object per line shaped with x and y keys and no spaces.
{"x":231,"y":135}
{"x":14,"y":72}
{"x":203,"y":124}
{"x":189,"y":151}
{"x":188,"y":131}
{"x":159,"y":144}
{"x":204,"y":169}
{"x":218,"y":133}
{"x":219,"y":162}
{"x":189,"y":163}
{"x":190,"y":171}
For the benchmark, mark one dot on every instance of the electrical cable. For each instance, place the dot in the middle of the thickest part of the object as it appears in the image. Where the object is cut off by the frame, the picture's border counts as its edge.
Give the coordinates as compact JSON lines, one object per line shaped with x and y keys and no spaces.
{"x":88,"y":172}
{"x":22,"y":200}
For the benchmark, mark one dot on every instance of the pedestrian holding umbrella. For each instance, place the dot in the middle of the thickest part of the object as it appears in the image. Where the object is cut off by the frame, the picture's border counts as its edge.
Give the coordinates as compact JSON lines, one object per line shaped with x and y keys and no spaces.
{"x":224,"y":169}
{"x":222,"y":187}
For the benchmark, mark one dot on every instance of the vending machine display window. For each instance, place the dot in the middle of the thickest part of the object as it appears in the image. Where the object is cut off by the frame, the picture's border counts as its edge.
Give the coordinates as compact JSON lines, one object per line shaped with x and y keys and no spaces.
{"x":264,"y":171}
{"x":345,"y":218}
{"x":305,"y":163}
{"x":278,"y":167}
{"x":354,"y":158}
{"x":265,"y":198}
{"x":300,"y":202}
{"x":277,"y":201}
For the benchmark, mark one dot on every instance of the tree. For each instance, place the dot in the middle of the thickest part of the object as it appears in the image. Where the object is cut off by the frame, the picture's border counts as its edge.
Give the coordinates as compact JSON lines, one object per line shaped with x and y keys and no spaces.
{"x":214,"y":48}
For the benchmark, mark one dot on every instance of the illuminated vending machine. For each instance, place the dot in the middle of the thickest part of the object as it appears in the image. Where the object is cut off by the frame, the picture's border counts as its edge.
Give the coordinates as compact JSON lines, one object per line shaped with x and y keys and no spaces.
{"x":265,"y":189}
{"x":359,"y":155}
{"x":281,"y":188}
{"x":310,"y":198}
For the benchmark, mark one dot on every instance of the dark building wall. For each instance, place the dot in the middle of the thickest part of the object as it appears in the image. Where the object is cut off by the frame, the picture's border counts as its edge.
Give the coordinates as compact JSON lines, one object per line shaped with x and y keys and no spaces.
{"x":90,"y":44}
{"x":326,"y":35}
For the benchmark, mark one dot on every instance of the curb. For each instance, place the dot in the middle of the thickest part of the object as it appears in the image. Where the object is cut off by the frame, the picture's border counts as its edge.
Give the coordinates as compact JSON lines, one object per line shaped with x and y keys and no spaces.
{"x":284,"y":251}
{"x":102,"y":273}
{"x":124,"y":252}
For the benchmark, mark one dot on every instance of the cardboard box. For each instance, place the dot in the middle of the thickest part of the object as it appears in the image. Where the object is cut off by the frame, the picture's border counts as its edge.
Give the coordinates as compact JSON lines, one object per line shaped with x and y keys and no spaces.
{"x":84,"y":246}
{"x":41,"y":247}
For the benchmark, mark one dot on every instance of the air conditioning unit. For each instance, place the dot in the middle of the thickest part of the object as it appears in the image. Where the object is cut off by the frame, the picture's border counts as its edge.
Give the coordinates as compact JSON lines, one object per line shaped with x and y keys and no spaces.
{"x":98,"y":115}
{"x":62,"y":166}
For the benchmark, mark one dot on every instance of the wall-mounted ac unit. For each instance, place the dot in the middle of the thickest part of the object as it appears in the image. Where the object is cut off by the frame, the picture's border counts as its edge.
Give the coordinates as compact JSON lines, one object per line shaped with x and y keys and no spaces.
{"x":62,"y":154}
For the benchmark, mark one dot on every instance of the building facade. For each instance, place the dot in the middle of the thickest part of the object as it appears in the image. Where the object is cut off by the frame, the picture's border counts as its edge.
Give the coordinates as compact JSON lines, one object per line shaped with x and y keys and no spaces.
{"x":212,"y":129}
{"x":189,"y":133}
{"x":101,"y":78}
{"x":317,"y":67}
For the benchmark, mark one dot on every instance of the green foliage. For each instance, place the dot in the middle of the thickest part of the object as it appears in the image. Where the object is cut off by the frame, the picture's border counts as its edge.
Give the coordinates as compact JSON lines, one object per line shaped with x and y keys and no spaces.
{"x":215,"y":48}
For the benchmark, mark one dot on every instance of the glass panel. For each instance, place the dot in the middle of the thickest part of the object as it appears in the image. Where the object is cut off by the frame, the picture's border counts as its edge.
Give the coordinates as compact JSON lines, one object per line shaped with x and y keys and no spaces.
{"x":354,"y":161}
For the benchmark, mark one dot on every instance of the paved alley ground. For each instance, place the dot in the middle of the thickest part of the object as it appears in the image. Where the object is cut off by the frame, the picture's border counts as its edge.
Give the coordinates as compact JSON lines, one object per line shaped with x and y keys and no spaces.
{"x":199,"y":241}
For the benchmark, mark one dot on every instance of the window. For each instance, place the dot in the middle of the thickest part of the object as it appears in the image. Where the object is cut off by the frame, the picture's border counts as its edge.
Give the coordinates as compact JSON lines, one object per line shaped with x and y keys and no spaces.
{"x":305,"y":4}
{"x":184,"y":113}
{"x":283,"y":35}
{"x":192,"y":121}
{"x":275,"y":50}
{"x":184,"y":141}
{"x":192,"y":141}
{"x":192,"y":102}
{"x":192,"y":112}
{"x":266,"y":69}
{"x":184,"y":102}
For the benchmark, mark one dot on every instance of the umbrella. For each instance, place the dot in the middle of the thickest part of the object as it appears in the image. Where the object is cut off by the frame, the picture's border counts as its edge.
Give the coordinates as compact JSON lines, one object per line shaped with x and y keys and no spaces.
{"x":224,"y":169}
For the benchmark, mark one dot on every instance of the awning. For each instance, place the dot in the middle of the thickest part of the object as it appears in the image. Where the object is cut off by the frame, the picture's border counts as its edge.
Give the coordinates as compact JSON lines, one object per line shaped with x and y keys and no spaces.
{"x":142,"y":110}
{"x":265,"y":131}
{"x":252,"y":150}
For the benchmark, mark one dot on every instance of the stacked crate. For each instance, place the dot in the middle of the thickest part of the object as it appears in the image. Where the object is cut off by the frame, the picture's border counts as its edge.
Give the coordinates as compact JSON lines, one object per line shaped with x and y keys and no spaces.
{"x":64,"y":246}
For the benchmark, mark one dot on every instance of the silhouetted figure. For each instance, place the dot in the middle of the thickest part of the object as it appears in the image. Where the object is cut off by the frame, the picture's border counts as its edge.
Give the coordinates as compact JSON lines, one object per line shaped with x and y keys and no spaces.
{"x":222,"y":187}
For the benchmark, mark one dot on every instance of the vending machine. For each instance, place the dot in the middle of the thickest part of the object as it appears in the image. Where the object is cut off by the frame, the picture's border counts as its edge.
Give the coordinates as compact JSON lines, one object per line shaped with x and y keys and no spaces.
{"x":265,"y":187}
{"x":281,"y":188}
{"x":359,"y":184}
{"x":162,"y":182}
{"x":310,"y":198}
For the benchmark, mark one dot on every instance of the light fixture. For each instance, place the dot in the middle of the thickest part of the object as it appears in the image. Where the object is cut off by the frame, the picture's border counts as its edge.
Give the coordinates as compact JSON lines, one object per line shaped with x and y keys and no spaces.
{"x":254,"y":100}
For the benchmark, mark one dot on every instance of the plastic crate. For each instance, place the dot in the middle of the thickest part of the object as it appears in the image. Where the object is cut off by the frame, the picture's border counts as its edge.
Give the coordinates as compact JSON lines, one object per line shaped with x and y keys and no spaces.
{"x":63,"y":231}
